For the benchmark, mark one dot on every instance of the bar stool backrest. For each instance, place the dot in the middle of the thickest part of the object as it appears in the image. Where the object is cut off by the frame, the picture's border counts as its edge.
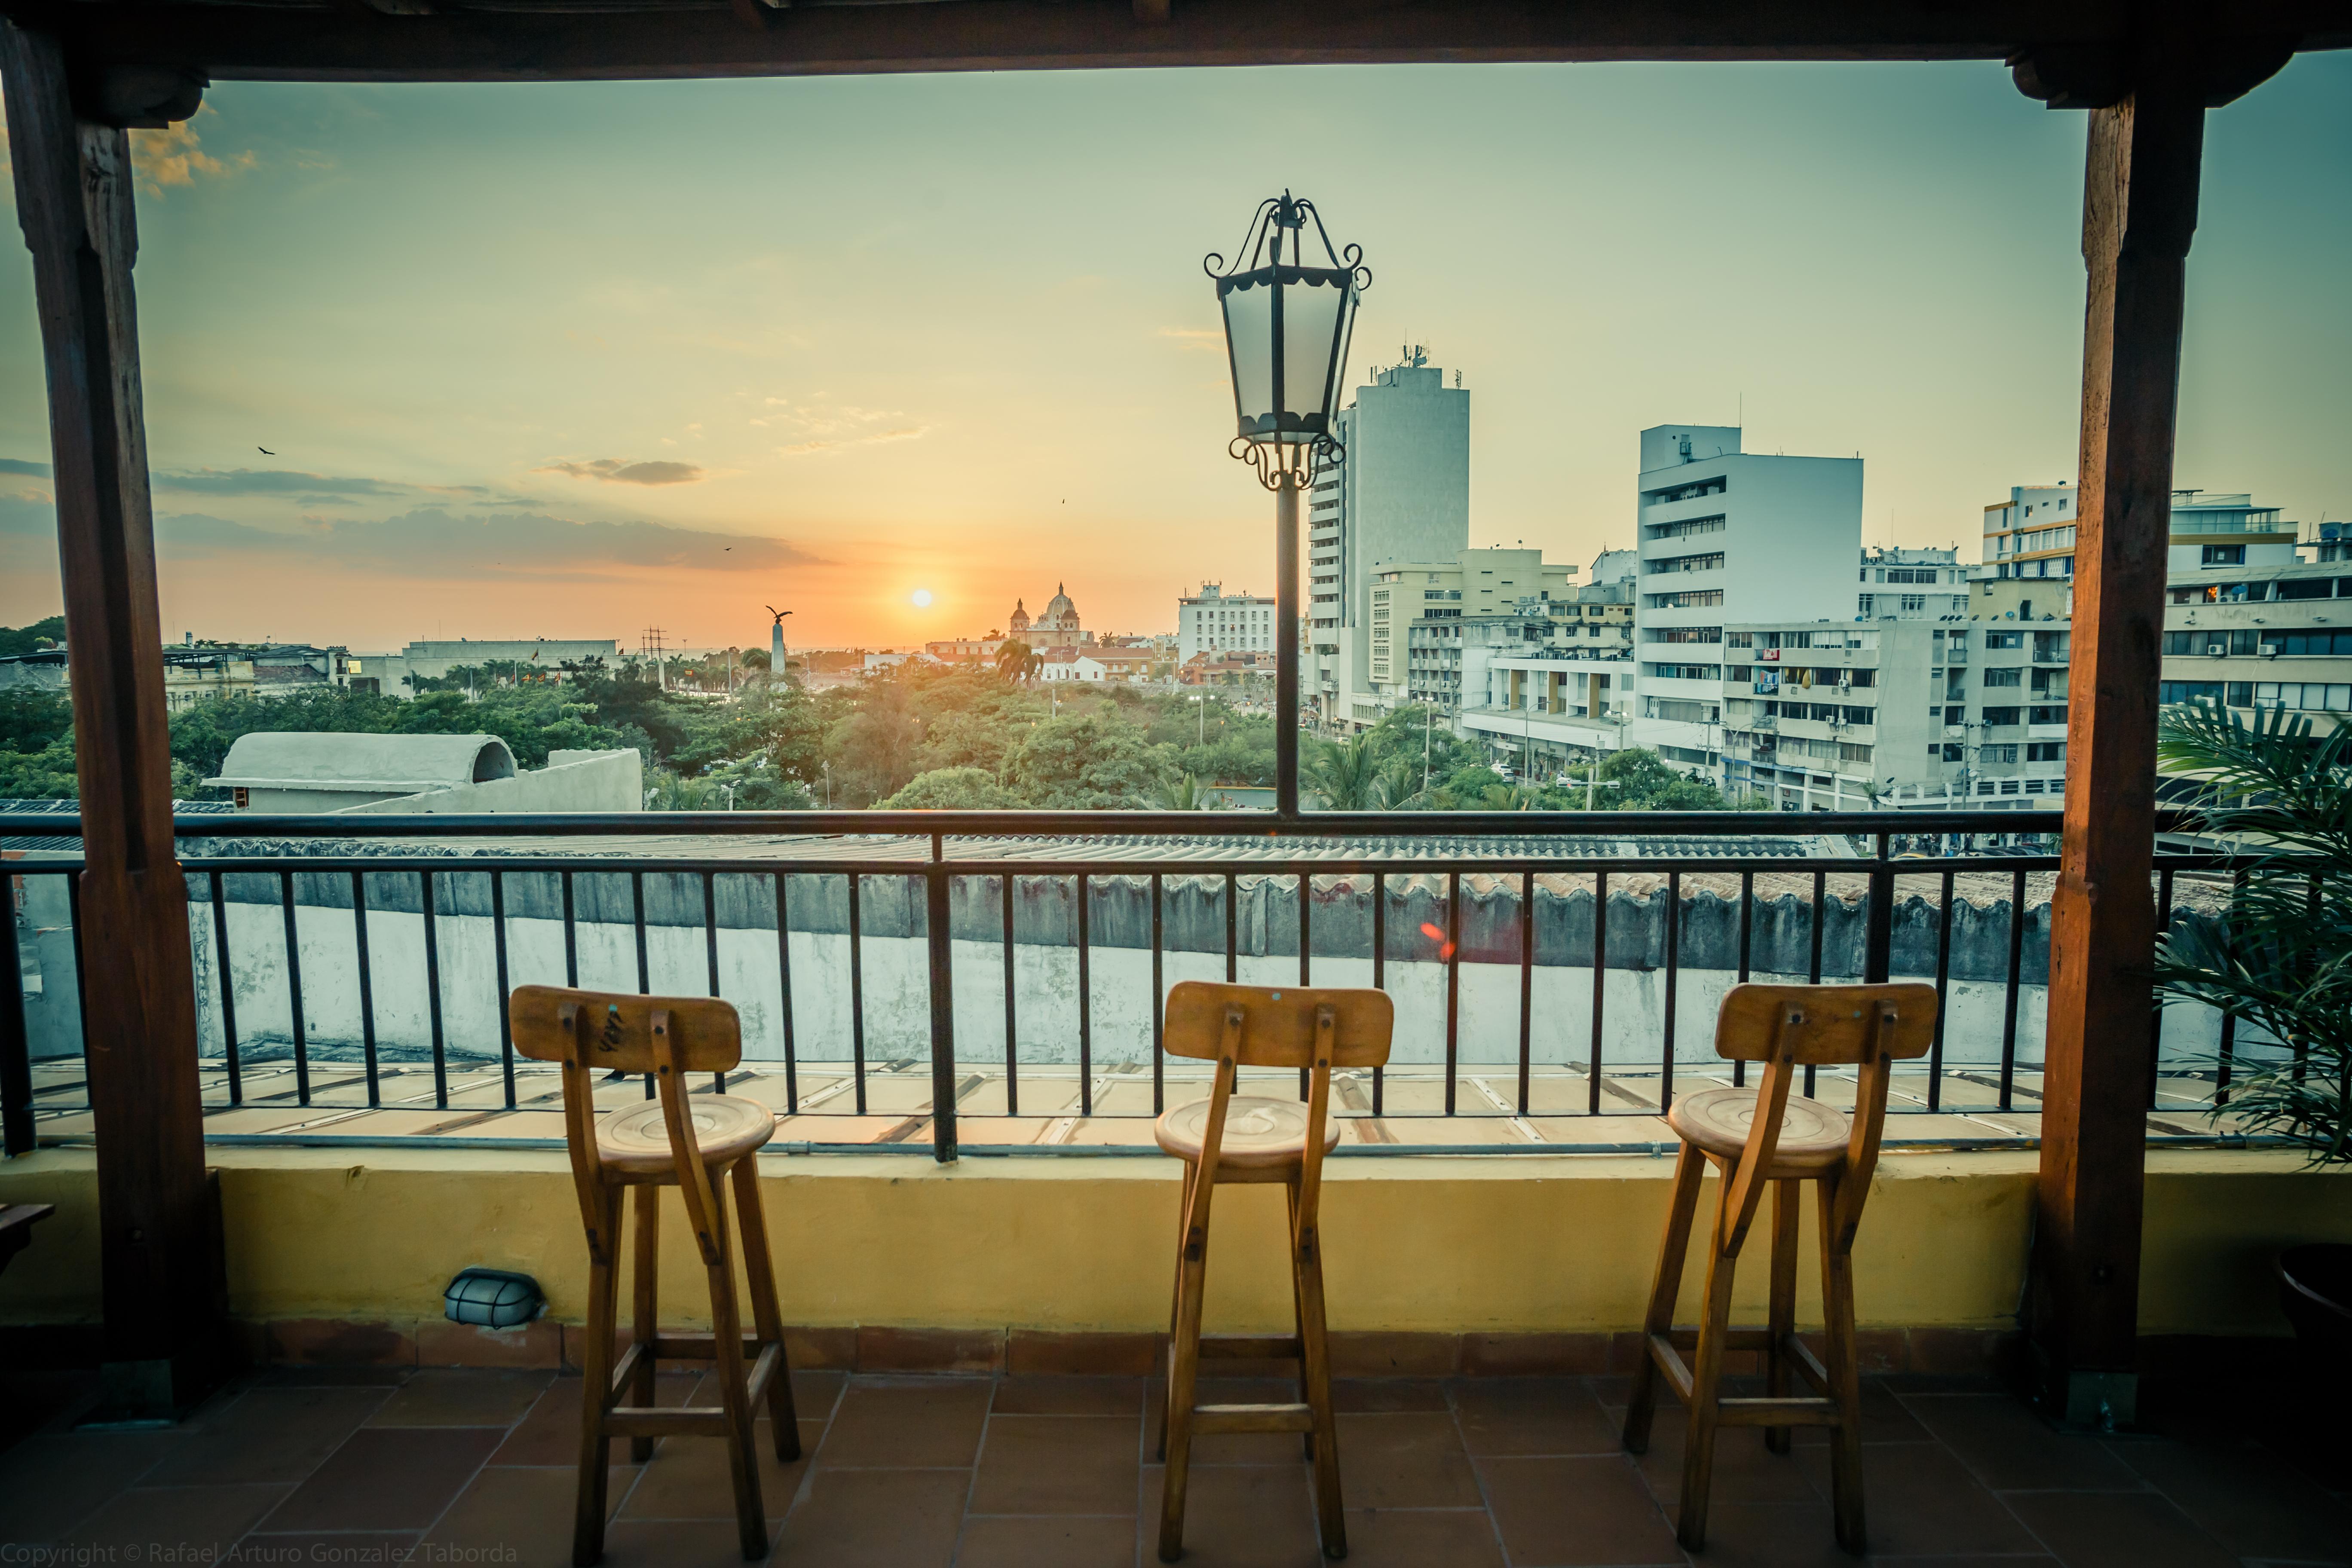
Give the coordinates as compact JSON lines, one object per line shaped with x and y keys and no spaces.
{"x":1868,"y":1027}
{"x":597,"y":1031}
{"x":1312,"y":1028}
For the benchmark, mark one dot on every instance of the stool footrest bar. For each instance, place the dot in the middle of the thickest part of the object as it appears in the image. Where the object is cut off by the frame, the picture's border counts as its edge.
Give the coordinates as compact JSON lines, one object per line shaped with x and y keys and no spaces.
{"x":1793,"y":1411}
{"x":1253,"y":1418}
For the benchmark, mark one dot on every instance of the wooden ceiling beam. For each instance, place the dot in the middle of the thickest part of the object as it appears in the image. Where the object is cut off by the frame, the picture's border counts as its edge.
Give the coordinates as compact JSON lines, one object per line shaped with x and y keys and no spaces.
{"x":342,"y":42}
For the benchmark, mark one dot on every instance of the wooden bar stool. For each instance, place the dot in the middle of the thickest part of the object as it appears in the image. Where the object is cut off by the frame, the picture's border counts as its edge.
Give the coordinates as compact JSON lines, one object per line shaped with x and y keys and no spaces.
{"x":1232,"y":1137}
{"x":1753,"y":1136}
{"x":691,"y":1141}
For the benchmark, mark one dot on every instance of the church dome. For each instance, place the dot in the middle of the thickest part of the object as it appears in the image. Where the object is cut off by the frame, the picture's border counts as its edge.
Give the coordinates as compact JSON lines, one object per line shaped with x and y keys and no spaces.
{"x":1020,"y":621}
{"x":1060,"y":610}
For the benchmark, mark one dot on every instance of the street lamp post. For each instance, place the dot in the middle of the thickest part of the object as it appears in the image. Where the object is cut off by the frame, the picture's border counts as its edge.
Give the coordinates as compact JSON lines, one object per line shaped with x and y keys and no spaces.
{"x":1287,"y":326}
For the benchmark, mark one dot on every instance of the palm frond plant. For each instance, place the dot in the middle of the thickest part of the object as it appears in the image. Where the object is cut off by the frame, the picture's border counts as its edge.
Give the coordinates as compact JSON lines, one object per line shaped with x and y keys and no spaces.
{"x":1342,"y":775}
{"x":2281,"y":958}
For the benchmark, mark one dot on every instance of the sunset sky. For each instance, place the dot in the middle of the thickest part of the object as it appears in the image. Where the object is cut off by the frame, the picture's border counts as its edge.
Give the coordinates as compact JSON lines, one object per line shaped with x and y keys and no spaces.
{"x":578,"y":360}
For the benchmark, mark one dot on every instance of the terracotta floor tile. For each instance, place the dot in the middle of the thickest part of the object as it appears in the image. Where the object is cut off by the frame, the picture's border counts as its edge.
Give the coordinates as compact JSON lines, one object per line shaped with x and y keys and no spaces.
{"x":387,"y":1478}
{"x":198,"y":1522}
{"x":354,"y":1546}
{"x":462,"y":1396}
{"x":674,"y":1544}
{"x":1056,"y":1464}
{"x":1235,"y":1516}
{"x":2243,"y":1498}
{"x":1070,"y":1397}
{"x":2011,"y":1448}
{"x":1532,"y":1416}
{"x":1581,"y":1509}
{"x":1069,"y":1542}
{"x":334,"y":1376}
{"x":688,"y":1477}
{"x":1380,"y":1393}
{"x":1919,"y":1499}
{"x":549,"y":1434}
{"x":270,"y":1434}
{"x":876,"y":1519}
{"x":1884,"y":1419}
{"x":1391,"y":1537}
{"x":1746,"y":1471}
{"x":815,"y":1393}
{"x":909,"y":1421}
{"x":1772,"y":1535}
{"x":1404,"y":1459}
{"x":2117,"y":1530}
{"x":48,"y":1483}
{"x":527,"y":1511}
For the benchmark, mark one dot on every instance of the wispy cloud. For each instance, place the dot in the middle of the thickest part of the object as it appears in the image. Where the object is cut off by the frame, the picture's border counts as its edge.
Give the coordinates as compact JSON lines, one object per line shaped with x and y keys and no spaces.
{"x":272,"y":482}
{"x":811,"y":448}
{"x":432,"y":542}
{"x":19,"y":465}
{"x":618,"y":471}
{"x":176,"y":156}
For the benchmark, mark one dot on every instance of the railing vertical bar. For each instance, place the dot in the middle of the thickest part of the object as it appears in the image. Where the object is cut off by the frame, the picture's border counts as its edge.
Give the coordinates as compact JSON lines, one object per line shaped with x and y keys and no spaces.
{"x":710,"y":944}
{"x":1085,"y":1006}
{"x":856,"y":996}
{"x":367,"y":986}
{"x":229,"y":1052}
{"x":784,"y":992}
{"x":1526,"y":988}
{"x":498,"y":947}
{"x":1380,"y":969}
{"x":571,"y":935}
{"x":433,"y":990}
{"x":939,"y":937}
{"x":1011,"y":1019}
{"x":645,"y":963}
{"x":1232,"y":928}
{"x":1600,"y":987}
{"x":2155,"y":1008}
{"x":1159,"y":1004}
{"x":1813,"y":964}
{"x":1943,"y":998}
{"x":2009,"y":1009}
{"x":82,"y":967}
{"x":1453,"y":956}
{"x":16,"y":1035}
{"x":1674,"y":973}
{"x":1305,"y":948}
{"x":293,"y":988}
{"x":1746,"y":933}
{"x":2227,"y":1060}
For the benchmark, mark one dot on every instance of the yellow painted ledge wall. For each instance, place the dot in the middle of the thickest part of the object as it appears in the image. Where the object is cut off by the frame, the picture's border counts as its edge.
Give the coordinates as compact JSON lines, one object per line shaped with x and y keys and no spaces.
{"x":1517,"y":1244}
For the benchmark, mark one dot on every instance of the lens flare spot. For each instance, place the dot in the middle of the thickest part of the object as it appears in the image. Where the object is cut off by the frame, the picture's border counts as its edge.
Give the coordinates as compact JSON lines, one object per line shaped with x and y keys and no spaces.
{"x":922,"y":598}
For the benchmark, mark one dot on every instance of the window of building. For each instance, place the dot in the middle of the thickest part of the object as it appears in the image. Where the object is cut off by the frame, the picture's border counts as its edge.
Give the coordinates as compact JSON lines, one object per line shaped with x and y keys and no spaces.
{"x":2052,"y":713}
{"x":2004,"y":753}
{"x":2224,"y":555}
{"x":2171,"y":692}
{"x":1714,"y":487}
{"x":2012,"y":675}
{"x":1915,"y":604}
{"x":2004,"y":639}
{"x":2000,"y":716}
{"x":2045,"y":751}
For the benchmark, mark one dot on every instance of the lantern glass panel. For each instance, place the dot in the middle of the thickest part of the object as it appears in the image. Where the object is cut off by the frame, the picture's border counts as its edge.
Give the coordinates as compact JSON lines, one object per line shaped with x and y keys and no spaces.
{"x":1312,"y":326}
{"x":1249,"y":336}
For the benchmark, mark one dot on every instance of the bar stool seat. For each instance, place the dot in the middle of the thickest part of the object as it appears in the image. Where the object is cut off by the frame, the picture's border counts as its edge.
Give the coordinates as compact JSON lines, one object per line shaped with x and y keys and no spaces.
{"x":1814,"y":1136}
{"x":1259,"y":1133}
{"x":635,"y":1139}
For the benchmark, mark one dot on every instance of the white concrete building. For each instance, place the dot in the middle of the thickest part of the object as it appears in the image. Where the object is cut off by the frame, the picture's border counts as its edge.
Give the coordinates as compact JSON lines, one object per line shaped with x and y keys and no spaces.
{"x":300,"y":773}
{"x":1073,"y":666}
{"x":2031,"y":536}
{"x":396,"y":674}
{"x":1900,"y":582}
{"x":1215,"y":622}
{"x":1402,"y":493}
{"x":1821,"y":715}
{"x":1725,"y":538}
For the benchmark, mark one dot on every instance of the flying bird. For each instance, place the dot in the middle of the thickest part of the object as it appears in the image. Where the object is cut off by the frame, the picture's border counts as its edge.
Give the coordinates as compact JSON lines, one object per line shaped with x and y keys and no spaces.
{"x":265,"y":451}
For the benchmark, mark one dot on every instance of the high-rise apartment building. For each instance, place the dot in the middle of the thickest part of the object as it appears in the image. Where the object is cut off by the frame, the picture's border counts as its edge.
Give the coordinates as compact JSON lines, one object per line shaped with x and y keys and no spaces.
{"x":1401,"y":493}
{"x":1727,"y":537}
{"x":1215,"y":622}
{"x":1903,"y":582}
{"x":2031,"y":536}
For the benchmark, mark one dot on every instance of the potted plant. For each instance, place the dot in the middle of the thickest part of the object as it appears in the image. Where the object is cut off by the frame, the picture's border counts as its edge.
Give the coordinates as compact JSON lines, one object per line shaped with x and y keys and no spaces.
{"x":2281,"y":958}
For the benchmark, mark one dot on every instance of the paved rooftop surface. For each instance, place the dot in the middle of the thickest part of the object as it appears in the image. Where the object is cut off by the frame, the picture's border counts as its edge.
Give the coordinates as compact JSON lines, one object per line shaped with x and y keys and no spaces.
{"x":369,"y":1465}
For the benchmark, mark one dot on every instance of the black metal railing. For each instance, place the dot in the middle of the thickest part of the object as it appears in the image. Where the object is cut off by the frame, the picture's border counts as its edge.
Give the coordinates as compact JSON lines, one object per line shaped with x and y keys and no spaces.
{"x":1359,"y":869}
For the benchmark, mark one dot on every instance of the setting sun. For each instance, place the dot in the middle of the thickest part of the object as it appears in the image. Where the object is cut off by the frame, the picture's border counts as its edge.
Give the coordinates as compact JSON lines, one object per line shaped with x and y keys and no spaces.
{"x":922,"y":598}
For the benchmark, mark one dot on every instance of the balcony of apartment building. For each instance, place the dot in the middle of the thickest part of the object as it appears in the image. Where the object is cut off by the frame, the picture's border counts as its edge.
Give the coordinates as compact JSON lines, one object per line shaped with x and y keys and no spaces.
{"x":262,"y":1068}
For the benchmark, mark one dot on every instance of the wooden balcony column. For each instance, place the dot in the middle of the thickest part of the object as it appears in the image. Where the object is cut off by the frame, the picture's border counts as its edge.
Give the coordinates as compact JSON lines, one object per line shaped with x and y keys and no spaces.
{"x":162,"y":1289}
{"x":2147,"y":101}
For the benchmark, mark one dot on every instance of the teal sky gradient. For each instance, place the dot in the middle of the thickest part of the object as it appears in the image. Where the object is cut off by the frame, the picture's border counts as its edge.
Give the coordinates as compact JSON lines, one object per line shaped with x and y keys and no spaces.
{"x":950,"y":332}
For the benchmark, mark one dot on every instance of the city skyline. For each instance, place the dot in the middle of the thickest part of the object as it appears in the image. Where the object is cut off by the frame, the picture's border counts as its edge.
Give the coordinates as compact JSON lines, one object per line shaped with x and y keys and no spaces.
{"x":522,"y":364}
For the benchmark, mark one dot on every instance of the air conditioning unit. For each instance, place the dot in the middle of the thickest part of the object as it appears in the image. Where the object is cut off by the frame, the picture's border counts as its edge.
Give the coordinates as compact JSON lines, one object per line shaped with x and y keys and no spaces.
{"x":2269,"y":650}
{"x":2215,"y":650}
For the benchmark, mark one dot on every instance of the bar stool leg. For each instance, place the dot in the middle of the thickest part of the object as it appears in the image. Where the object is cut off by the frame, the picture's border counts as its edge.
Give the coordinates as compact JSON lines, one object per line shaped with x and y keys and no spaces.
{"x":767,"y":1313}
{"x":1175,"y":1299}
{"x":1315,"y":1368}
{"x":596,"y":1390}
{"x":1786,"y":1200}
{"x":1298,"y":1314}
{"x":1706,"y":1376}
{"x":1183,"y":1365}
{"x":1673,"y":1251}
{"x":726,"y":1337}
{"x":645,"y":1271}
{"x":1845,"y":1377}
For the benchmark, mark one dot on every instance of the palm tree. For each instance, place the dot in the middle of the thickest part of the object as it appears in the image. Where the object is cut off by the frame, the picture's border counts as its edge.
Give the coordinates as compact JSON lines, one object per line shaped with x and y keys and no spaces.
{"x":1181,"y":794}
{"x":1018,"y":662}
{"x":1343,"y":775}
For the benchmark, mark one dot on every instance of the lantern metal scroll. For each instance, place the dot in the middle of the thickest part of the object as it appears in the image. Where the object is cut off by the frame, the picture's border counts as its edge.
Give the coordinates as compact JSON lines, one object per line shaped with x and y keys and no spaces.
{"x":1287,"y":326}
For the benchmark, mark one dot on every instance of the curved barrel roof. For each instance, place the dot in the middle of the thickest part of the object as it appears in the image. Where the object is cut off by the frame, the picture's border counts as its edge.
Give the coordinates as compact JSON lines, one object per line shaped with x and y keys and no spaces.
{"x":375,"y":764}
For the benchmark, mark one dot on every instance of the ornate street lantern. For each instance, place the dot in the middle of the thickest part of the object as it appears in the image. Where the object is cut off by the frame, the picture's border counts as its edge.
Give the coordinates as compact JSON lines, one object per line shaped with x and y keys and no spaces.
{"x":1287,"y":317}
{"x":1287,"y":326}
